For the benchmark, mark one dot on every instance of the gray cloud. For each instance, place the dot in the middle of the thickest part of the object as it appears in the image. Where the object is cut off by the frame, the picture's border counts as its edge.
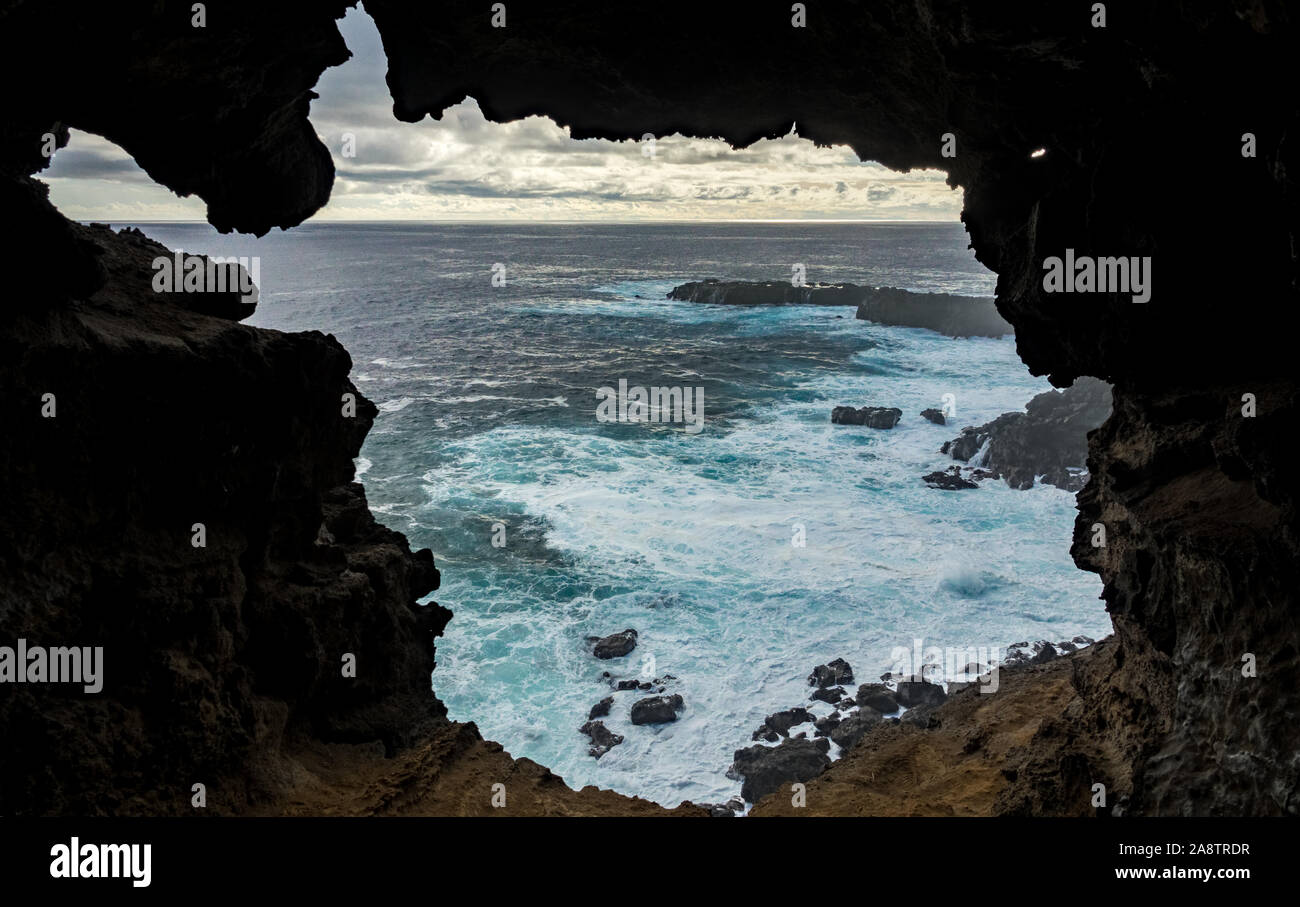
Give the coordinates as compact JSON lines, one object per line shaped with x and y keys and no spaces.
{"x":461,"y":166}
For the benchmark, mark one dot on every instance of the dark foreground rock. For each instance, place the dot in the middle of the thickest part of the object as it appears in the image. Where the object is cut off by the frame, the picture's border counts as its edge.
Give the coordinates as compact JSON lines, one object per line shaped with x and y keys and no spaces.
{"x":956,"y":316}
{"x":766,"y":768}
{"x":615,"y":645}
{"x":656,"y":709}
{"x":1049,"y":439}
{"x":870,"y":416}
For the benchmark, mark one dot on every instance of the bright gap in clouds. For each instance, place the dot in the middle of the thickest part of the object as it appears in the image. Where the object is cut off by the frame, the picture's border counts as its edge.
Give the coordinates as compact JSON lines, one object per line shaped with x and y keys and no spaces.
{"x":465,"y":168}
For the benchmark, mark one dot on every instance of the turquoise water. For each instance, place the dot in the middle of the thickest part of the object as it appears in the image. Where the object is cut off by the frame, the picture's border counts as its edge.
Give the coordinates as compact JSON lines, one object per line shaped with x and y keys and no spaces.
{"x":487,"y":423}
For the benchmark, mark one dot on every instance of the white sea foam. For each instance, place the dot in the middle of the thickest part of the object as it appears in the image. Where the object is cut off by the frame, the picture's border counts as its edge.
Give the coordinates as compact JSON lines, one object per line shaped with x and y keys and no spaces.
{"x":708,"y":522}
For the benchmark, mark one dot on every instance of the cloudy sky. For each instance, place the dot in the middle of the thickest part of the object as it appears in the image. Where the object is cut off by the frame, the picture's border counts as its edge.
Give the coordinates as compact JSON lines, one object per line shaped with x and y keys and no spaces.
{"x":463,"y":167}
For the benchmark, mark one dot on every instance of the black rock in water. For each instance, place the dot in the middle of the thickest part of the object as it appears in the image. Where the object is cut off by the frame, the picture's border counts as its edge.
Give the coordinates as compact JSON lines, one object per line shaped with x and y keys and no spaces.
{"x":779,"y":723}
{"x":934,"y":415}
{"x":615,"y":645}
{"x":829,"y":695}
{"x":956,"y":316}
{"x":767,"y":768}
{"x":829,"y":675}
{"x":949,"y":481}
{"x":601,"y":709}
{"x":656,"y":709}
{"x":870,"y":416}
{"x":825,"y":725}
{"x":602,"y":738}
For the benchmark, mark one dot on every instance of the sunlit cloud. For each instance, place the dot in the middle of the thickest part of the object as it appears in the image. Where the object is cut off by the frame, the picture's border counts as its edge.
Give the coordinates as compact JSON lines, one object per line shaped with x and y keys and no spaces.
{"x":464,"y":167}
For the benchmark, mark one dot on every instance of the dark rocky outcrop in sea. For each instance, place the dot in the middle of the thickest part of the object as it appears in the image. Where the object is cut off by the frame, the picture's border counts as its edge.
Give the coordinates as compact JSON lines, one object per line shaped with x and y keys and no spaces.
{"x":615,"y":645}
{"x":602,"y":738}
{"x":950,"y":480}
{"x":778,"y":724}
{"x":1049,"y":439}
{"x":657,"y":709}
{"x":956,"y":316}
{"x":934,"y":415}
{"x":870,"y":416}
{"x":231,"y":653}
{"x":831,"y":674}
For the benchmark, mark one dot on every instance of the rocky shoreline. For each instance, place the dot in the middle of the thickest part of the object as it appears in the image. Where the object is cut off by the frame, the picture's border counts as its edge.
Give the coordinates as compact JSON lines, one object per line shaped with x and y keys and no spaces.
{"x":956,"y":316}
{"x":1048,"y":442}
{"x":834,"y":723}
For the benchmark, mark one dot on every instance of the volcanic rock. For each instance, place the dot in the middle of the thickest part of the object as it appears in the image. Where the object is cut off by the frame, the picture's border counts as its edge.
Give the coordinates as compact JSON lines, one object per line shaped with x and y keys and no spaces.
{"x":950,"y":480}
{"x":912,"y":693}
{"x":850,"y":730}
{"x":828,"y":675}
{"x":1049,"y":439}
{"x":602,"y":738}
{"x":877,"y":696}
{"x":766,"y":768}
{"x":870,"y":416}
{"x":615,"y":645}
{"x":656,"y":709}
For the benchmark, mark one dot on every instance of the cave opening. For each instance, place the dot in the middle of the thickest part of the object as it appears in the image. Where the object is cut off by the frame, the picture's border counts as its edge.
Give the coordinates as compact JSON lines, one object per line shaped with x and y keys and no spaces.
{"x":773,"y":542}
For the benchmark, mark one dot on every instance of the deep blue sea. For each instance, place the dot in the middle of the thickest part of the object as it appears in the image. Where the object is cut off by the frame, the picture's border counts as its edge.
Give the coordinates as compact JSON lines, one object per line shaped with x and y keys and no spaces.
{"x":487,"y":398}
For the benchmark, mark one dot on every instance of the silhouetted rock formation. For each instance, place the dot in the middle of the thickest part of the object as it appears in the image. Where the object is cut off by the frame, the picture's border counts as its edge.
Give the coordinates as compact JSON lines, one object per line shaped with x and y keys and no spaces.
{"x":1193,"y":484}
{"x":1049,"y":439}
{"x":215,"y":656}
{"x":956,"y":316}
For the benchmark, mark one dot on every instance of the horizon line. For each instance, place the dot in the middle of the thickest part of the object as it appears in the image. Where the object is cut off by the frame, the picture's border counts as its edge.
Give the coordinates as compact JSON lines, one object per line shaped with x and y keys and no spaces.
{"x":632,"y":222}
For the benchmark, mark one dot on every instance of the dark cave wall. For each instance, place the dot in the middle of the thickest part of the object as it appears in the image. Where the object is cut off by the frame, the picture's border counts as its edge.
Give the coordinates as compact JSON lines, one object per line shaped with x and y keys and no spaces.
{"x":214,"y":656}
{"x":1142,"y":121}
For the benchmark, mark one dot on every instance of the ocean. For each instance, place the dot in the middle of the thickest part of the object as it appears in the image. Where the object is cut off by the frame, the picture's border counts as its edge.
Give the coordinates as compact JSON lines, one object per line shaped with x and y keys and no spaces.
{"x":488,"y":433}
